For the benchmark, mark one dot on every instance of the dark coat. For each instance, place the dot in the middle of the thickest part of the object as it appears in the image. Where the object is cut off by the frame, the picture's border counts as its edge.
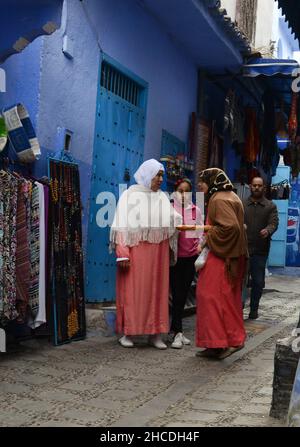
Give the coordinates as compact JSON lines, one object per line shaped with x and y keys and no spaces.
{"x":260,"y":215}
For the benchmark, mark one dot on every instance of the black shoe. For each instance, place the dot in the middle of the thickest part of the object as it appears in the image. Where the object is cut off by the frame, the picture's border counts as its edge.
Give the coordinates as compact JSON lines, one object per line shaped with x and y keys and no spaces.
{"x":253,"y":315}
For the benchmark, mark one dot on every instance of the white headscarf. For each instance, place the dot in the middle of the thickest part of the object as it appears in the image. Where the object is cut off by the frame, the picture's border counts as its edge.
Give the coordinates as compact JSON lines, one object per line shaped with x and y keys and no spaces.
{"x":147,"y":171}
{"x":143,"y":215}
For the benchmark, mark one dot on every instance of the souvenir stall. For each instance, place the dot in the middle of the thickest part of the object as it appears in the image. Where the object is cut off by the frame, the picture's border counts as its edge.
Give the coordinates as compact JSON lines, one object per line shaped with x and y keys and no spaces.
{"x":241,"y":117}
{"x":41,"y":279}
{"x":244,"y":120}
{"x":281,"y":77}
{"x":23,"y":236}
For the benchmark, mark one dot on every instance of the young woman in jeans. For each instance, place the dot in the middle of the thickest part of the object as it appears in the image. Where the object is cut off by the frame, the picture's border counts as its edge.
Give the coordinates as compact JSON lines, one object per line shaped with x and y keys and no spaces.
{"x":182,"y":274}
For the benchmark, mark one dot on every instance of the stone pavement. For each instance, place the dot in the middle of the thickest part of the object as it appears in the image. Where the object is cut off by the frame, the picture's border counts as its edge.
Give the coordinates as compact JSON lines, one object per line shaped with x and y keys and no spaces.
{"x":96,"y":382}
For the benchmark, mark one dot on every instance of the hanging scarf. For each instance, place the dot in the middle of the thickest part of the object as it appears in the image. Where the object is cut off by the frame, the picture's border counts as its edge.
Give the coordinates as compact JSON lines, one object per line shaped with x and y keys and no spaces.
{"x":143,"y":215}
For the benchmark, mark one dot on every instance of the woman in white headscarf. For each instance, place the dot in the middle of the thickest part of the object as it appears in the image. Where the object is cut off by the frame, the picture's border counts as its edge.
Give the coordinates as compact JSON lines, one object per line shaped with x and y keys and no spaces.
{"x":143,"y":232}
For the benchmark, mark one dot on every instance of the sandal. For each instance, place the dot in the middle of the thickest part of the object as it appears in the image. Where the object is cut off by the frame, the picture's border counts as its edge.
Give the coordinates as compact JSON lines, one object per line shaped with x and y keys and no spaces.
{"x":209,"y":353}
{"x":229,"y":351}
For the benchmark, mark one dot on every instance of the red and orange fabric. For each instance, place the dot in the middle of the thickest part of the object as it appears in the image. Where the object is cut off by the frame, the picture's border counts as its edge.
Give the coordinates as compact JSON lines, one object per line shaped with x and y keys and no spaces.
{"x":252,"y":143}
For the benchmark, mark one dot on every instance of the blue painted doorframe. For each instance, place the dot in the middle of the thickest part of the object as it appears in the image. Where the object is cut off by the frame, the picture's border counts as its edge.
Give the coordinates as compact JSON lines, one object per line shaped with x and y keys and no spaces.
{"x":118,"y":151}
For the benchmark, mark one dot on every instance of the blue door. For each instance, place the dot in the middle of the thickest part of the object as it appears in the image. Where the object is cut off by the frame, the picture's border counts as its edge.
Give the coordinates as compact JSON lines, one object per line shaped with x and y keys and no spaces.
{"x":118,"y":151}
{"x":277,"y":256}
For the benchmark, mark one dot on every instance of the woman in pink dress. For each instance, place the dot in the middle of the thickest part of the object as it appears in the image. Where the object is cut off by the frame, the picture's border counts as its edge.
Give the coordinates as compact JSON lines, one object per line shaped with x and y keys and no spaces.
{"x":220,"y":325}
{"x":143,"y":232}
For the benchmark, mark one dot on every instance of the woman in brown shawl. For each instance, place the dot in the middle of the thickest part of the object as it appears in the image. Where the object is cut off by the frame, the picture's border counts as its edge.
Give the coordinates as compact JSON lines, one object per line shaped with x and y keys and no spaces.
{"x":220,"y":326}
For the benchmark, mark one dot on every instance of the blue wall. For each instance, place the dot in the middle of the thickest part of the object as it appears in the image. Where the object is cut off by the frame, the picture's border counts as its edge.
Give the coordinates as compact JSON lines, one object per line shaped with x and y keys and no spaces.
{"x":23,"y":78}
{"x":22,"y":21}
{"x":69,"y":87}
{"x":61,"y":92}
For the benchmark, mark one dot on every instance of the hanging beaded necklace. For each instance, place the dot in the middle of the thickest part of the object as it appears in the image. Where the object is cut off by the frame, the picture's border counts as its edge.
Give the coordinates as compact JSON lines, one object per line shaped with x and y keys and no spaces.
{"x":67,"y":249}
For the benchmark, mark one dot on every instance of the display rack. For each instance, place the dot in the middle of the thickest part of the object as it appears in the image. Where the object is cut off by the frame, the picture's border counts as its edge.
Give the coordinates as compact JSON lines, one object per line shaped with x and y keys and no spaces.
{"x":66,"y":277}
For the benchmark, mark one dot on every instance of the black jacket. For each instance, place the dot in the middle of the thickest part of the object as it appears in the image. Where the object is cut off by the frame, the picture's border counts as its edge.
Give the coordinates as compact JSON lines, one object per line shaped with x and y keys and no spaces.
{"x":258,"y":216}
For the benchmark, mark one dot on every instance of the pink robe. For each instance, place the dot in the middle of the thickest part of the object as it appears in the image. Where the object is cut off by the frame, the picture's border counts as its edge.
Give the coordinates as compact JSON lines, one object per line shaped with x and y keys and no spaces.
{"x":143,"y":290}
{"x":219,"y":307}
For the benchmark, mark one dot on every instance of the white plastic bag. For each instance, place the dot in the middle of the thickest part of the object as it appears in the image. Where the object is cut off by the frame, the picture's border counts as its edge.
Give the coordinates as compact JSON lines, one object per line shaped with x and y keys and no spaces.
{"x":202,"y":258}
{"x":294,"y":410}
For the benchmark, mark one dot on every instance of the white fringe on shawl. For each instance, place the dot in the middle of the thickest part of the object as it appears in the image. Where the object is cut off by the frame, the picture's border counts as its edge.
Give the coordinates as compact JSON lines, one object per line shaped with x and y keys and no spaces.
{"x":145,"y":216}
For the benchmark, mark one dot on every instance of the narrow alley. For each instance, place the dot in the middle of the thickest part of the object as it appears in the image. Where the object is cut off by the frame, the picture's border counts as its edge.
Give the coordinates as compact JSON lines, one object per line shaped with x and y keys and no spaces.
{"x":97,"y":383}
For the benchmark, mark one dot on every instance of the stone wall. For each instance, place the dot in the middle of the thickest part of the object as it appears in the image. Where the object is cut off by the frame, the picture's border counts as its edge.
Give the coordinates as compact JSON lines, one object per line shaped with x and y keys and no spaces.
{"x":285,"y":367}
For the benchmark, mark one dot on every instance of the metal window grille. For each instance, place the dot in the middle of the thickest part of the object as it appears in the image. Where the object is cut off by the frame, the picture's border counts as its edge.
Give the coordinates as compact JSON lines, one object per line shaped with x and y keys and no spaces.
{"x":119,"y":84}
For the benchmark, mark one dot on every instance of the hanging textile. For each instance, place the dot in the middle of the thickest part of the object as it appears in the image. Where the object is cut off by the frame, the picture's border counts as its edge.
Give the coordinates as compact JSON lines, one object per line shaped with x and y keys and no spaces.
{"x":34,"y":252}
{"x":269,"y":158}
{"x":295,"y":158}
{"x":293,"y":120}
{"x":281,"y":123}
{"x":21,"y":133}
{"x":8,"y":211}
{"x":252,"y":143}
{"x":234,"y":119}
{"x":216,"y":148}
{"x":38,"y":286}
{"x":23,"y":265}
{"x":202,"y":139}
{"x":22,"y":250}
{"x":66,"y":252}
{"x":192,"y":132}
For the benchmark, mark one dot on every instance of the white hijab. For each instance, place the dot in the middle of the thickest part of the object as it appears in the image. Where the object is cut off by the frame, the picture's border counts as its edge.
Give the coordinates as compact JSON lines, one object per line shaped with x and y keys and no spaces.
{"x":147,"y":171}
{"x":143,"y":215}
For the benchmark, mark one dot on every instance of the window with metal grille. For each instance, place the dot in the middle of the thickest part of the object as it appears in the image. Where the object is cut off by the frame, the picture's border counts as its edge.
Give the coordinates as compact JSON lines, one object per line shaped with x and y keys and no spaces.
{"x":119,"y":84}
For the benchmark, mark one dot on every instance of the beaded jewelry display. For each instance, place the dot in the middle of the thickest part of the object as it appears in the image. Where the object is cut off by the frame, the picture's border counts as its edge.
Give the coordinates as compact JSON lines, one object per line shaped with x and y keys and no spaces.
{"x":66,"y":251}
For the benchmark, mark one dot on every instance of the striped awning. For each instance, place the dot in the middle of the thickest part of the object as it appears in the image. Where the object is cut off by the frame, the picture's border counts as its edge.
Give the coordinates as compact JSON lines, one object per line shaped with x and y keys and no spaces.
{"x":270,"y":67}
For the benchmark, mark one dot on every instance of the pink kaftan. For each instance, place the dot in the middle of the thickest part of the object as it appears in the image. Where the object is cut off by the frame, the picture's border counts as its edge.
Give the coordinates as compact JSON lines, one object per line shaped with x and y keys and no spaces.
{"x":143,"y":289}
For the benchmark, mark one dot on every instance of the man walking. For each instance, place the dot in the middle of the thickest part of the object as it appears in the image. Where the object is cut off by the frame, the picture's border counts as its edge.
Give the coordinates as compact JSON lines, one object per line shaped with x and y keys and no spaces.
{"x":261,"y":218}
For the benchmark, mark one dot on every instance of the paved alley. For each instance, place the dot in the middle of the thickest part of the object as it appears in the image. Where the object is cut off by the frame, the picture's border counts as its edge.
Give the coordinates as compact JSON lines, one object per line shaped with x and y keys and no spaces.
{"x":96,"y":382}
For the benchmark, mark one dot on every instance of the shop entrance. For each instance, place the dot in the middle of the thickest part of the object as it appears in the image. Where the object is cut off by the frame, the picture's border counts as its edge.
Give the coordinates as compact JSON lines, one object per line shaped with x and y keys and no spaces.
{"x":118,"y":151}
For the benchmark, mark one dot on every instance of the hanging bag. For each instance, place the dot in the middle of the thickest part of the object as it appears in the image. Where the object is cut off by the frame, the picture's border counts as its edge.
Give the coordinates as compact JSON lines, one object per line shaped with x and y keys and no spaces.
{"x":21,"y":133}
{"x":202,"y":258}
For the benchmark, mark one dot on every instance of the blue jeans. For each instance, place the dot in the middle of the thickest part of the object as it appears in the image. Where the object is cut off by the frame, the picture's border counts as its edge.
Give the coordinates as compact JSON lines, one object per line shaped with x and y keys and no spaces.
{"x":257,"y":267}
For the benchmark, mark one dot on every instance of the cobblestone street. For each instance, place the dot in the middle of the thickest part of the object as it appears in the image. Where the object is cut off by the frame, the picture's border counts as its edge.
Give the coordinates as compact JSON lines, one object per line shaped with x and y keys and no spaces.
{"x":96,"y":382}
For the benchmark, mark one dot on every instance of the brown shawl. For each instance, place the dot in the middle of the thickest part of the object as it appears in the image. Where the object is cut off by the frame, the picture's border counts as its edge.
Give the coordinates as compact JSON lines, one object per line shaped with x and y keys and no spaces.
{"x":227,"y":239}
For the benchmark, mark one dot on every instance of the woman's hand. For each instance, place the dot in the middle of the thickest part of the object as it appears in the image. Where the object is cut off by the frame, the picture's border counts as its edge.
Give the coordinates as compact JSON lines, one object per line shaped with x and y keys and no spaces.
{"x":199,"y":249}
